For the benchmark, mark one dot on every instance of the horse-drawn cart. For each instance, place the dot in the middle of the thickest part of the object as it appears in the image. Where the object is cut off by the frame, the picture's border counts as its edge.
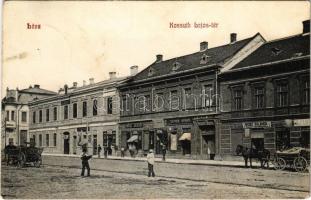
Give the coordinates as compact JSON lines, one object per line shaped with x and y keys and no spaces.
{"x":21,"y":155}
{"x":297,"y":158}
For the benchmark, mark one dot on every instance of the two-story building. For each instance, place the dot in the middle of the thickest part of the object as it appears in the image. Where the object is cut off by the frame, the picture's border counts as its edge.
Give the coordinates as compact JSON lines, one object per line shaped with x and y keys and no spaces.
{"x":77,"y":116}
{"x":266,"y":97}
{"x":175,"y":103}
{"x":15,"y":113}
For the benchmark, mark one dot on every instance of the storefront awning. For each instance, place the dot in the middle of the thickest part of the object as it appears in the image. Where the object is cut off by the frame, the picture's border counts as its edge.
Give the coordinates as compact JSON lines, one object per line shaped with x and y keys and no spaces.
{"x":185,"y":136}
{"x":134,"y":138}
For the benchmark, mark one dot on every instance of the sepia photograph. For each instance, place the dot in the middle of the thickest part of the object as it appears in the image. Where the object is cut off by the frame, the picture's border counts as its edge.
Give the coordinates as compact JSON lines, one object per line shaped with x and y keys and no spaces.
{"x":155,"y":100}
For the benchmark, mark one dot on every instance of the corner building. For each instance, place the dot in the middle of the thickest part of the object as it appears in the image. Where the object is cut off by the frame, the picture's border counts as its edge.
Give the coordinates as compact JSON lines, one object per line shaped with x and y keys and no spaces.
{"x":266,"y":97}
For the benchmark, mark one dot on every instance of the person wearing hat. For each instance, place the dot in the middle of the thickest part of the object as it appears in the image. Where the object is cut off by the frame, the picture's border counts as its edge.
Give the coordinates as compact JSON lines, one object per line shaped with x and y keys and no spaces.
{"x":85,"y":162}
{"x":150,"y":160}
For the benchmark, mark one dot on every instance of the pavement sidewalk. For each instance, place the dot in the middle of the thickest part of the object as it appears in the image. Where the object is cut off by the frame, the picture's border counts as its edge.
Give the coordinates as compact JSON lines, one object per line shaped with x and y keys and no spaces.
{"x":255,"y":163}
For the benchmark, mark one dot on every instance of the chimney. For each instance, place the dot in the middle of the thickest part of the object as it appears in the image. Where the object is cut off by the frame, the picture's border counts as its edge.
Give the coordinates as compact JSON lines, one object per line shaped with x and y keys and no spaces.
{"x":159,"y":58}
{"x":134,"y":70}
{"x":74,"y":84}
{"x":233,"y":37}
{"x":84,"y":83}
{"x":36,"y":86}
{"x":91,"y":80}
{"x":30,"y":86}
{"x":66,"y":88}
{"x":306,"y":26}
{"x":203,"y":46}
{"x":112,"y":75}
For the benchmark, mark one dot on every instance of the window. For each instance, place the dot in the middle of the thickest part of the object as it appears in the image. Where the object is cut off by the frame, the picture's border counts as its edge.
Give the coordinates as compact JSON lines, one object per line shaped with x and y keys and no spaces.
{"x":124,"y":105}
{"x":306,"y":91}
{"x":47,"y":140}
{"x":174,"y":100}
{"x":282,"y":94}
{"x":84,"y":108}
{"x":13,"y":115}
{"x":204,"y":59}
{"x":34,"y":117}
{"x":74,"y":110}
{"x":147,"y":103}
{"x":40,"y":140}
{"x":150,"y":72}
{"x":109,"y":105}
{"x":159,"y":102}
{"x":94,"y":107}
{"x":47,"y":113}
{"x":24,"y":116}
{"x":66,"y":112}
{"x":187,"y":98}
{"x":237,"y":95}
{"x":54,"y":139}
{"x":176,"y":66}
{"x":55,"y":113}
{"x":207,"y":96}
{"x":40,"y":116}
{"x":7,"y":115}
{"x":259,"y":97}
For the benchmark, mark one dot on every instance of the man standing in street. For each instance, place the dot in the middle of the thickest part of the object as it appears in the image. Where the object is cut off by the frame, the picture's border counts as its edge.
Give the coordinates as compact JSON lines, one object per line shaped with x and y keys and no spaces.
{"x":85,"y":162}
{"x":150,"y":160}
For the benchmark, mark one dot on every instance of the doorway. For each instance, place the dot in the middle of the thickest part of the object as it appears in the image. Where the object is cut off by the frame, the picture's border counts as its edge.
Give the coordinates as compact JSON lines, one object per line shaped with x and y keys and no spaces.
{"x":94,"y":144}
{"x":66,"y":142}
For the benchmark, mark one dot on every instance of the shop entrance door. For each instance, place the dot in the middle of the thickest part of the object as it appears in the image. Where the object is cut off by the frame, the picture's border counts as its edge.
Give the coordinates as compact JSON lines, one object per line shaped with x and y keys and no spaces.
{"x":66,"y":143}
{"x":94,"y":144}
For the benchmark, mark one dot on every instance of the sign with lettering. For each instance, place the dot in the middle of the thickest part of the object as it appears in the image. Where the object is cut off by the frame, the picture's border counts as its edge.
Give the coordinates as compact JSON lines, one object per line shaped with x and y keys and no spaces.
{"x":180,"y":121}
{"x":259,"y":124}
{"x":135,"y":125}
{"x":158,"y":123}
{"x":302,"y":122}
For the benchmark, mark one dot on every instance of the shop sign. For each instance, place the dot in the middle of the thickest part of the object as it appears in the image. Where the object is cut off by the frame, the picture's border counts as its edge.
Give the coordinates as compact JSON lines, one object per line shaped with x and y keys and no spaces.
{"x":179,"y":121}
{"x":260,"y":124}
{"x":135,"y":125}
{"x":247,"y":132}
{"x":10,"y":124}
{"x":302,"y":122}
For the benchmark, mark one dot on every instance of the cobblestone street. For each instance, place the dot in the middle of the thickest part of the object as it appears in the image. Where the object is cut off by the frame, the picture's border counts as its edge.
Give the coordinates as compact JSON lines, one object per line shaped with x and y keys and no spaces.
{"x":59,"y":178}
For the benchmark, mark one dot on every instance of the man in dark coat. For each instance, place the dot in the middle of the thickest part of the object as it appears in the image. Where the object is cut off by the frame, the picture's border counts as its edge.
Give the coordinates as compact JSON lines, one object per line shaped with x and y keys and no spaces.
{"x":85,"y":162}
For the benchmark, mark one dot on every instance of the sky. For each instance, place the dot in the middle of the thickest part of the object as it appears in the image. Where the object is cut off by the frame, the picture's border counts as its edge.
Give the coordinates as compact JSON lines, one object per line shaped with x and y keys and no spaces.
{"x":78,"y":40}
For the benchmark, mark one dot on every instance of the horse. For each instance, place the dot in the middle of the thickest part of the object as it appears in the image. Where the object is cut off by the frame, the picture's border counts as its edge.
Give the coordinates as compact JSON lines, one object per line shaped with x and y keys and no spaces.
{"x":263,"y":156}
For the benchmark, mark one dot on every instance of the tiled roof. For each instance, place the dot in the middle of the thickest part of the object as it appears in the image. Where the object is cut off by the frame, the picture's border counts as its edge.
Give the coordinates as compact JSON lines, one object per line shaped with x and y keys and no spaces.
{"x":38,"y":91}
{"x":214,"y":55}
{"x":277,"y":50}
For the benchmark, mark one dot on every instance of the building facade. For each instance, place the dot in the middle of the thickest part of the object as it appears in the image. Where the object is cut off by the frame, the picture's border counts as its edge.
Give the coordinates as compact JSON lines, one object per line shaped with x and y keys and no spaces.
{"x":175,"y":103}
{"x":15,"y":113}
{"x":266,"y":97}
{"x":77,"y":116}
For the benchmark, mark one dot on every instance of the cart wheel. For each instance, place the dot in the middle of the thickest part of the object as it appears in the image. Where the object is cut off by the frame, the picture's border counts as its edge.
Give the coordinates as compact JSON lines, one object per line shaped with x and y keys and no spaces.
{"x":21,"y":160}
{"x":38,"y":162}
{"x":300,"y":164}
{"x":279,"y":163}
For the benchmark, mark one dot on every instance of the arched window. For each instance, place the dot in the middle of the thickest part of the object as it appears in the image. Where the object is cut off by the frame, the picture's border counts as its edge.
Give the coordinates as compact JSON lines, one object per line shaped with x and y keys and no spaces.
{"x":94,"y":107}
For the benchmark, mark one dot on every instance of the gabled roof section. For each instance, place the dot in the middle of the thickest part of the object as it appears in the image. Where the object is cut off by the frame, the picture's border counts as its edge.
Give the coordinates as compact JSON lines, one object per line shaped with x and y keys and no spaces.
{"x":214,"y":56}
{"x":293,"y":47}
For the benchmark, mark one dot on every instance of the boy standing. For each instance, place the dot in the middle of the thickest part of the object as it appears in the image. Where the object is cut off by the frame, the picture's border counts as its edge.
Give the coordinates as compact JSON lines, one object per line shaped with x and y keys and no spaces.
{"x":150,"y":160}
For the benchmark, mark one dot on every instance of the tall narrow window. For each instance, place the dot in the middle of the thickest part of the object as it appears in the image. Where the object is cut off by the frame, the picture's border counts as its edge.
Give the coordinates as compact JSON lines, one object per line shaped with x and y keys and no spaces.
{"x":282,"y":94}
{"x":174,"y":100}
{"x":7,"y":115}
{"x":54,"y":139}
{"x":147,"y":103}
{"x":207,"y":96}
{"x":40,"y":116}
{"x":259,"y":97}
{"x":306,"y":91}
{"x":159,"y":102}
{"x":187,"y":98}
{"x":66,"y":112}
{"x":55,"y":113}
{"x":94,"y":107}
{"x":84,"y":108}
{"x":74,"y":110}
{"x":34,"y":117}
{"x":47,"y":113}
{"x":238,"y":100}
{"x":13,"y":115}
{"x":47,"y":140}
{"x":109,"y":105}
{"x":24,"y":116}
